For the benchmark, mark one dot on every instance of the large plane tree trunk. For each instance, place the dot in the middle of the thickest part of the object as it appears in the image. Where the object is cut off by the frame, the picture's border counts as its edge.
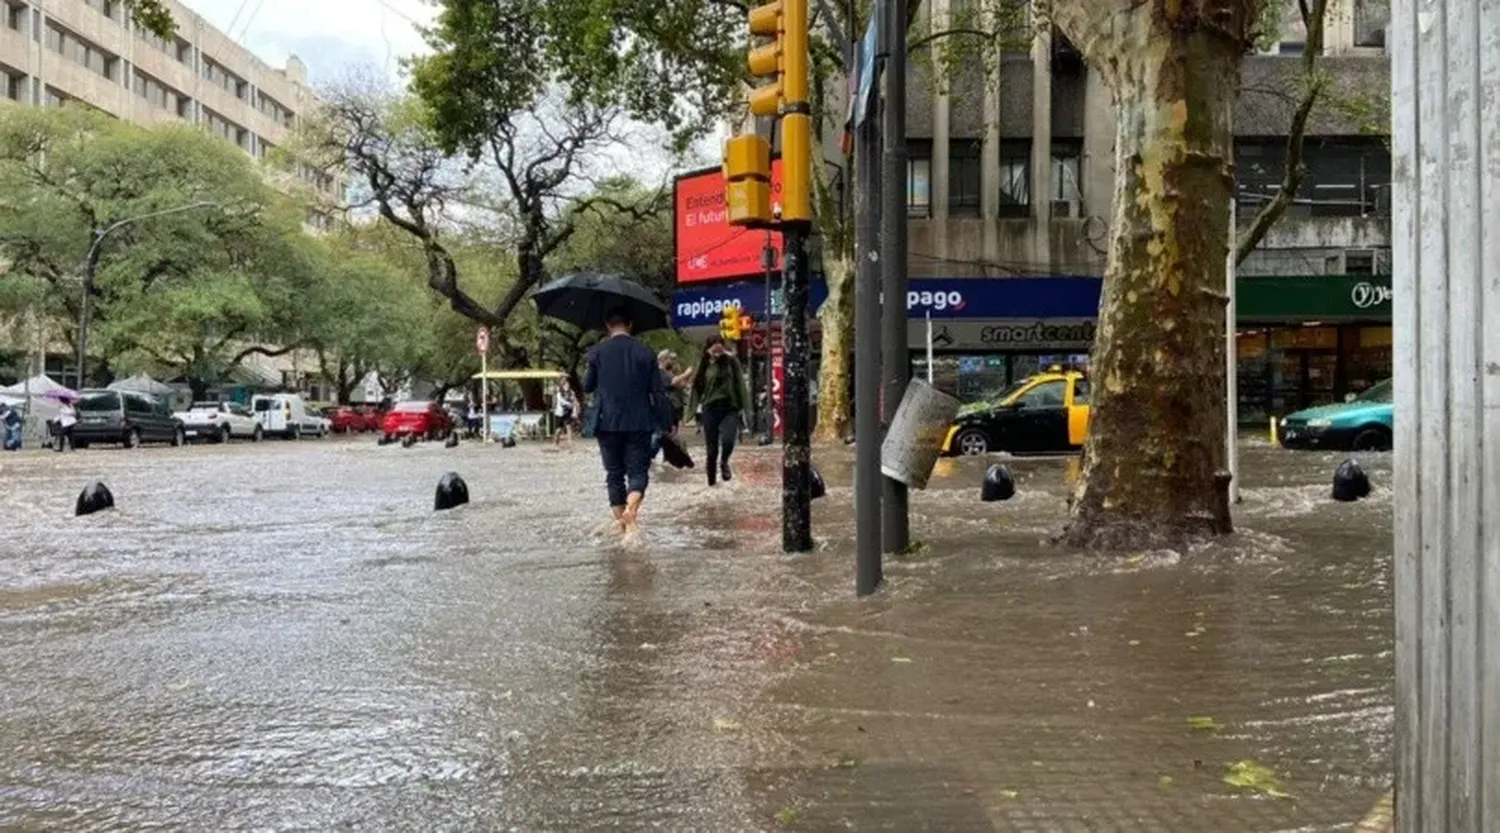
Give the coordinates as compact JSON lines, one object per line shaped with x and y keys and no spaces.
{"x":837,"y":317}
{"x":1154,"y":463}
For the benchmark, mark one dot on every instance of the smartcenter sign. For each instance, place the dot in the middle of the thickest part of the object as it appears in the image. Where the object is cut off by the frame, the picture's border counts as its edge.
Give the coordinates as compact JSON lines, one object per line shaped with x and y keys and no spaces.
{"x":1003,"y":334}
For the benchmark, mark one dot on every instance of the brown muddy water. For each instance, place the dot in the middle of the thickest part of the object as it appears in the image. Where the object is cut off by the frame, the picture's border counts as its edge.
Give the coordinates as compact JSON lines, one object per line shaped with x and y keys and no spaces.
{"x":284,"y":636}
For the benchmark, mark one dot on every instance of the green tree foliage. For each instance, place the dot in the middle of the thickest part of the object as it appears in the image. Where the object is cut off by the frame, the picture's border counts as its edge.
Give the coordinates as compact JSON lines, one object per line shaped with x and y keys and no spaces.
{"x":190,"y":293}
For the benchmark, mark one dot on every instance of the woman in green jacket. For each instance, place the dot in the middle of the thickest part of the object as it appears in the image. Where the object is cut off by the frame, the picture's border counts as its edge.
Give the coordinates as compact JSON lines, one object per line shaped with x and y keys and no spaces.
{"x":719,"y":389}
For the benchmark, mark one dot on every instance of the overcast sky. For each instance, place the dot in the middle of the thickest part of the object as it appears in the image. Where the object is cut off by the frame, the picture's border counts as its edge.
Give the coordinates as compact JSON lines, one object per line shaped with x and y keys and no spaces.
{"x":330,"y":36}
{"x":335,"y":37}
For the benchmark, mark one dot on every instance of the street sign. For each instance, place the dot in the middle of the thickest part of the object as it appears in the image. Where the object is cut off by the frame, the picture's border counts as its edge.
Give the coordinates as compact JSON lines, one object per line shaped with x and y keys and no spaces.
{"x":482,"y":341}
{"x":778,"y":302}
{"x":778,"y":381}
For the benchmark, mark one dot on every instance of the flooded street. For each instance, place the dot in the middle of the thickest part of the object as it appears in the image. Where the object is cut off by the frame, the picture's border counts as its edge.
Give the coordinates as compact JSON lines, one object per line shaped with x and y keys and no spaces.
{"x":285,"y":636}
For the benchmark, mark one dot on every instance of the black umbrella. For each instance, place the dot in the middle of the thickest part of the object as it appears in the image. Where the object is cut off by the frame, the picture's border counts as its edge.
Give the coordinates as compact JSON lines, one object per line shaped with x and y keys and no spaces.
{"x":584,"y":298}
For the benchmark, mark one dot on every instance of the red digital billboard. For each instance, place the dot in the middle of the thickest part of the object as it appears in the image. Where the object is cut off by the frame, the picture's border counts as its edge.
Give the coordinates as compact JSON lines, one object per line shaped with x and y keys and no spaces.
{"x":708,"y":248}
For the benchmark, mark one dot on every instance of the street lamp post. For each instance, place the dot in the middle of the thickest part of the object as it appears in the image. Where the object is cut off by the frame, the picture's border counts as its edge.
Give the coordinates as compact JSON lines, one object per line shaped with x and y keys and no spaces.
{"x":91,"y":265}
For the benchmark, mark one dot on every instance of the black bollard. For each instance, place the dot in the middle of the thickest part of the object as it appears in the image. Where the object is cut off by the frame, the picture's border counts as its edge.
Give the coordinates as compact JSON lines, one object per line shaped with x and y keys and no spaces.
{"x":451,"y":491}
{"x":1350,"y":483}
{"x":385,"y":439}
{"x":452,"y":441}
{"x":998,"y":484}
{"x":409,"y":440}
{"x":819,"y":488}
{"x":508,"y":442}
{"x":95,"y":497}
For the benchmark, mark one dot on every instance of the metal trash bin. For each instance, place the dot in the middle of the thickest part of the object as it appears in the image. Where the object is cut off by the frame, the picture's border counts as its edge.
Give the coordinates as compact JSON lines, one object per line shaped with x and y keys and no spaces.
{"x":914,"y":440}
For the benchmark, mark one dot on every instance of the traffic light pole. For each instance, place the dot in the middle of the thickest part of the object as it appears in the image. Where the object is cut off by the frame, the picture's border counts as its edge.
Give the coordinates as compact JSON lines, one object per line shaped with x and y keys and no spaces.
{"x":868,"y":481}
{"x":796,"y":451}
{"x":896,"y":356}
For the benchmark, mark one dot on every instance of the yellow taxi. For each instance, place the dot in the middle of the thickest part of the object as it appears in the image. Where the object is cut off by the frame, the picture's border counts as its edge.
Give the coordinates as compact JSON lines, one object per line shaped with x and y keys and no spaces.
{"x":1043,"y":414}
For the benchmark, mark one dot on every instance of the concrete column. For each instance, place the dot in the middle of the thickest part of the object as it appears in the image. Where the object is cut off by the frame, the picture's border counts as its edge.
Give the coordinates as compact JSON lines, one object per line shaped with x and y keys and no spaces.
{"x":1097,"y":177}
{"x":1041,"y":134}
{"x":941,"y":107}
{"x":989,"y":160}
{"x":1445,"y":78}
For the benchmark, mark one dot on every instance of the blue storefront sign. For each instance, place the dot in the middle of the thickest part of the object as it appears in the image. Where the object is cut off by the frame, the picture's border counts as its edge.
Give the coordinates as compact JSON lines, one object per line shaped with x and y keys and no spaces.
{"x":1010,"y":298}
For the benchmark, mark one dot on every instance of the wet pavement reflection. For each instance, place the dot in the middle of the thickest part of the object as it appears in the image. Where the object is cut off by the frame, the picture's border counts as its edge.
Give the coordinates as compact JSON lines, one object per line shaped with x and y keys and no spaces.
{"x":285,"y":636}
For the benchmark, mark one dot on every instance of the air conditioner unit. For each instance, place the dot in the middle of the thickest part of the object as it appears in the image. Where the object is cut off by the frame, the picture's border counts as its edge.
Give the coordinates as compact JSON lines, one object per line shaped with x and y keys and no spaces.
{"x":1066,"y":209}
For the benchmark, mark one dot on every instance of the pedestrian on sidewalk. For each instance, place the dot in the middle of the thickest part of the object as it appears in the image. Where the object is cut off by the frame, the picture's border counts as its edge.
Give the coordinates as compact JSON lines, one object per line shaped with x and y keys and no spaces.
{"x":67,"y":417}
{"x":629,"y":406}
{"x":565,"y":411}
{"x":10,"y":428}
{"x":677,"y":395}
{"x":719,"y":390}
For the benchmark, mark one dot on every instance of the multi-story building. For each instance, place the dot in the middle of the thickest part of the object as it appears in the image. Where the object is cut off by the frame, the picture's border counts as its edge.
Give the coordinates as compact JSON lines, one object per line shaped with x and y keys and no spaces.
{"x":1009,"y":190}
{"x":90,"y":52}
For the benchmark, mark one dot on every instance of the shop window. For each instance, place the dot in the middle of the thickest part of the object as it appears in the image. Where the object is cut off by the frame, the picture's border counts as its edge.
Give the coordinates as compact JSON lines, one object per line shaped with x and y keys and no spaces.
{"x":919,"y":178}
{"x":964,"y":178}
{"x":1015,"y":179}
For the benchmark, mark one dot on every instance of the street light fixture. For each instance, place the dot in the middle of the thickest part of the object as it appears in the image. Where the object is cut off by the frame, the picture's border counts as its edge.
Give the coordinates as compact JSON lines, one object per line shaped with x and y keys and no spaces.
{"x":91,"y":264}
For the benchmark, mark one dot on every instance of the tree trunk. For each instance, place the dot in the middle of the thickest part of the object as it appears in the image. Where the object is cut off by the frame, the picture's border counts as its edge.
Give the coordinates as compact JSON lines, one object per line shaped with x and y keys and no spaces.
{"x":199,"y":387}
{"x":837,"y":317}
{"x":1154,"y":464}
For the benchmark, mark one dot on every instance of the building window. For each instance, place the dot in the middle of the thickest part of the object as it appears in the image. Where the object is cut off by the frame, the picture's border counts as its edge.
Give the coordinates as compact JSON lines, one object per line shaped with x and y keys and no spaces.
{"x":157,"y":93}
{"x":185,"y":107}
{"x":1067,"y":177}
{"x":1359,"y":262}
{"x":14,"y":84}
{"x":15,"y":16}
{"x":221,"y":77}
{"x":965,"y":181}
{"x":1344,"y":176}
{"x":1015,"y":179}
{"x":1371,"y":17}
{"x":226,"y":129}
{"x":80,"y":51}
{"x":53,"y":98}
{"x":919,"y":178}
{"x":108,"y":8}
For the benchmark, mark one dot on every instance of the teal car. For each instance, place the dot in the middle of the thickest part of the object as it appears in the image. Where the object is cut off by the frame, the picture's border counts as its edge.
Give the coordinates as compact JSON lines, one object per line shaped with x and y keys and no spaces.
{"x":1363,"y":423}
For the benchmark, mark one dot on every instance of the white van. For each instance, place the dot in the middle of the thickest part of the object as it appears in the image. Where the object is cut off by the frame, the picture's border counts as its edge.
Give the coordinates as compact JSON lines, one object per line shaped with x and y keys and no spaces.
{"x":286,"y":415}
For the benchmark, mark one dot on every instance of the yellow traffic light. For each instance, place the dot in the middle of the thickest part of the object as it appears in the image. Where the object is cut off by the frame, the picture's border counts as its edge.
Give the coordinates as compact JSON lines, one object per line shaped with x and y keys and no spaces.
{"x":729,"y":323}
{"x":747,"y":175}
{"x":796,"y":122}
{"x":766,"y":61}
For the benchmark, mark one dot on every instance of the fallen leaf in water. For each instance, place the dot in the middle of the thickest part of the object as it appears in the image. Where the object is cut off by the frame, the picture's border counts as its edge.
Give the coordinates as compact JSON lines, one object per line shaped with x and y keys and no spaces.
{"x":1135,"y":642}
{"x":1036,"y":763}
{"x":1249,"y":775}
{"x":1009,"y":794}
{"x":1204,"y":724}
{"x":846,"y":761}
{"x":725,"y":725}
{"x":787,"y":816}
{"x":900,"y":659}
{"x":1165,"y":782}
{"x":1135,"y":559}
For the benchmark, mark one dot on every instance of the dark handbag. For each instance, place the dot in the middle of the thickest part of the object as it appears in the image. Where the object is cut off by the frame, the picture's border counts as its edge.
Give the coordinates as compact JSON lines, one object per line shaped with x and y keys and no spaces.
{"x":675,"y":455}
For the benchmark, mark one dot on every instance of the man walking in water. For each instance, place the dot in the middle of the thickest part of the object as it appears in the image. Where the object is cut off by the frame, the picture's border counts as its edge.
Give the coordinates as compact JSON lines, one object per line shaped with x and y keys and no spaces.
{"x":628,"y":399}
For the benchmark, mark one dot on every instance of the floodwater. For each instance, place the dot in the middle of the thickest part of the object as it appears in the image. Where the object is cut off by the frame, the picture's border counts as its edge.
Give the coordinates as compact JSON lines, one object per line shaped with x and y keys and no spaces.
{"x":285,"y":636}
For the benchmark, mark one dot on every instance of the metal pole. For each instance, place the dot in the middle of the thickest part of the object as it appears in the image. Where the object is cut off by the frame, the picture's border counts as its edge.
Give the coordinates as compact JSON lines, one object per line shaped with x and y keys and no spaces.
{"x":1232,"y":365}
{"x":896,"y":355}
{"x":929,"y":347}
{"x":768,"y":407}
{"x":796,"y":455}
{"x":484,"y":390}
{"x":90,"y":265}
{"x":867,"y":360}
{"x":1446,"y":322}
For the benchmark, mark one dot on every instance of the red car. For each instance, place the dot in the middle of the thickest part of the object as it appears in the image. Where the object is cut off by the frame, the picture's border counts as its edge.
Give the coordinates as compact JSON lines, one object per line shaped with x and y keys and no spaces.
{"x":346,"y":420}
{"x":423,"y":418}
{"x":373,"y":417}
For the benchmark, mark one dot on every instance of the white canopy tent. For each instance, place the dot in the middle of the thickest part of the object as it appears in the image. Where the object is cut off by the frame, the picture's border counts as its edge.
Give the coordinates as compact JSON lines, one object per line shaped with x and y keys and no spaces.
{"x":35,"y":386}
{"x":141,"y":383}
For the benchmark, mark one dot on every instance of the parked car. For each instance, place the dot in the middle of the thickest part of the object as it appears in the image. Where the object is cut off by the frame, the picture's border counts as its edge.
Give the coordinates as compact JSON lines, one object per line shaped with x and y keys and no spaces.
{"x":286,"y":415}
{"x":346,"y":420}
{"x":1041,"y":414}
{"x":422,"y":417}
{"x":125,"y":418}
{"x":1360,"y":423}
{"x":373,"y":416}
{"x":219,"y":422}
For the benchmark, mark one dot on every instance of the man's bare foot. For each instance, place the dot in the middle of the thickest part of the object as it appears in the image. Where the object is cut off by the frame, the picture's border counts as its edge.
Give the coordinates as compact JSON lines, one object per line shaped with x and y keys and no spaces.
{"x":632,"y":511}
{"x":619,"y":524}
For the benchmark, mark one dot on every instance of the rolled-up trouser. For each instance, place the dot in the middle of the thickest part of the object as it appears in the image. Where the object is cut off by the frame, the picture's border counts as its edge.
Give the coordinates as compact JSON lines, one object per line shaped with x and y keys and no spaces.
{"x":627,"y":462}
